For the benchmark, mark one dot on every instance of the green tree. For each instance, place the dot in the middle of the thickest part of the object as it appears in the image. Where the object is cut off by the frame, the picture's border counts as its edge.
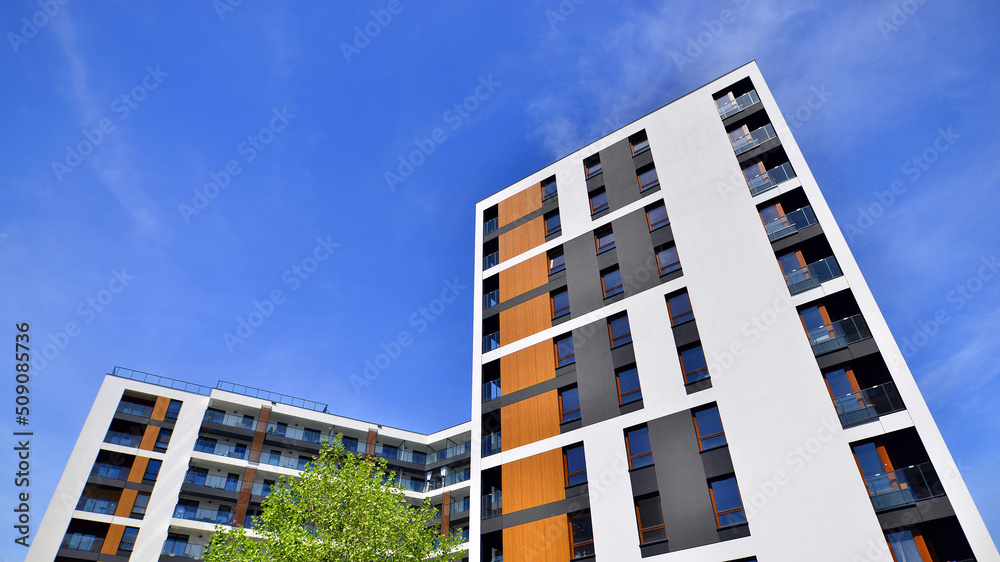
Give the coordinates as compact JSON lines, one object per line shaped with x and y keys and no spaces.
{"x":338,"y":510}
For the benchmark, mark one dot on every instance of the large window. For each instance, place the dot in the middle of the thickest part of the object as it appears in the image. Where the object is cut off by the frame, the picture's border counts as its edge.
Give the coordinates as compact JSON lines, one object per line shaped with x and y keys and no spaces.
{"x":693,"y":364}
{"x":649,"y":517}
{"x":647,"y":178}
{"x":656,"y":216}
{"x":565,"y":354}
{"x":128,"y":541}
{"x":598,"y":201}
{"x":581,"y":535}
{"x":667,"y":260}
{"x":569,"y":404}
{"x":708,"y":424}
{"x":139,"y":506}
{"x":604,"y":239}
{"x":552,"y":223}
{"x":575,"y":465}
{"x":619,"y":330}
{"x":557,"y":261}
{"x":727,"y":502}
{"x":628,"y":385}
{"x":152,"y":470}
{"x":592,"y":166}
{"x":560,"y":303}
{"x":548,"y":188}
{"x":908,"y":545}
{"x":640,"y":453}
{"x":173,"y":409}
{"x":611,"y":281}
{"x":679,"y":307}
{"x":639,"y":143}
{"x":162,"y":440}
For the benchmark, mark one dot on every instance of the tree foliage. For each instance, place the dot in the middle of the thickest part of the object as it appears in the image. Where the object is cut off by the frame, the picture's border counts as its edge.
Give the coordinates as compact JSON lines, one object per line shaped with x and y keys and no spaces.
{"x":338,"y":510}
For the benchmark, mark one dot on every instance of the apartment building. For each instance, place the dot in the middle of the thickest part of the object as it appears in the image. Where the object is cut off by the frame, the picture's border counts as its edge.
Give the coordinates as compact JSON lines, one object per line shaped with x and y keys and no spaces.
{"x":677,"y":358}
{"x":161,"y":462}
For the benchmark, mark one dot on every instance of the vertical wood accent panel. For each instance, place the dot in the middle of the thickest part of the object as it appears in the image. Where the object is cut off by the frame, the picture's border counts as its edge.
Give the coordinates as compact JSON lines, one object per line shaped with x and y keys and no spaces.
{"x":445,"y":514}
{"x":160,"y":408}
{"x":530,"y":420}
{"x":539,"y":541}
{"x":138,"y":470}
{"x":519,"y":205}
{"x":525,"y":319}
{"x":113,"y":539}
{"x":126,"y":502}
{"x":533,"y":481}
{"x":528,"y":367}
{"x":149,"y":438}
{"x":524,"y":277}
{"x":370,"y":442}
{"x":258,"y":435}
{"x":244,"y":498}
{"x":521,"y":239}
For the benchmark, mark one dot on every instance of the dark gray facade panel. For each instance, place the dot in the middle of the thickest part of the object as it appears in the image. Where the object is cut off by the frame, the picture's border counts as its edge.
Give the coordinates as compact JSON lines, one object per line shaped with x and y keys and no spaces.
{"x":717,"y":462}
{"x":568,"y":505}
{"x":635,"y":253}
{"x":680,"y":472}
{"x":540,"y":388}
{"x":698,"y":386}
{"x":753,"y":153}
{"x":642,"y":159}
{"x":662,"y":235}
{"x":922,"y":511}
{"x":595,"y":373}
{"x":852,"y":351}
{"x":686,"y":333}
{"x":807,"y":233}
{"x":607,"y":258}
{"x":643,"y":481}
{"x":623,"y":355}
{"x":734,"y":119}
{"x":582,"y":277}
{"x":619,"y":174}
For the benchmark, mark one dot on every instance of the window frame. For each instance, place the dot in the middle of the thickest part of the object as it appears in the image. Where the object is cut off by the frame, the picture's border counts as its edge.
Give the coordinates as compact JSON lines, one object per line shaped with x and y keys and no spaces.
{"x":604,"y":232}
{"x":566,"y":467}
{"x":563,"y":412}
{"x":563,"y":311}
{"x":674,"y":322}
{"x":546,"y":194}
{"x":616,"y":289}
{"x":155,"y":473}
{"x":638,"y":518}
{"x":553,"y":255}
{"x":715,"y":508}
{"x":588,"y":164}
{"x":645,"y":169}
{"x":559,"y":359}
{"x":661,"y":223}
{"x":593,"y":195}
{"x":703,"y":438}
{"x":618,"y":385}
{"x":611,"y":332}
{"x":549,"y":231}
{"x":128,"y":538}
{"x":628,"y":447}
{"x":157,"y":446}
{"x":680,"y":357}
{"x":141,"y":508}
{"x":573,"y":544}
{"x":671,"y":267}
{"x":173,"y":410}
{"x":641,"y":137}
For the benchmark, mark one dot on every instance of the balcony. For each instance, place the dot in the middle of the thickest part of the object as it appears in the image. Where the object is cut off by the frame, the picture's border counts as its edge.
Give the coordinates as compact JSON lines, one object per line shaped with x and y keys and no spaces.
{"x":903,"y":487}
{"x":98,"y":505}
{"x":739,"y":104}
{"x":220,"y":449}
{"x":754,"y":139}
{"x":491,"y":444}
{"x":213,"y":481}
{"x":493,"y":504}
{"x":82,"y":542}
{"x":836,"y":335}
{"x":868,"y":404}
{"x":284,"y":461}
{"x":491,"y":299}
{"x":771,"y":178}
{"x":231,"y":420}
{"x":491,"y":260}
{"x":261,"y":489}
{"x":490,"y":225}
{"x":389,"y":452}
{"x":491,"y":342}
{"x":123,"y":439}
{"x":410,"y":484}
{"x":134,"y":409}
{"x":459,"y":506}
{"x":453,"y":478}
{"x":183,"y":550}
{"x":790,"y":223}
{"x":450,"y":452}
{"x":812,"y":275}
{"x":204,"y":515}
{"x":110,"y":471}
{"x":297,"y":433}
{"x":491,"y":390}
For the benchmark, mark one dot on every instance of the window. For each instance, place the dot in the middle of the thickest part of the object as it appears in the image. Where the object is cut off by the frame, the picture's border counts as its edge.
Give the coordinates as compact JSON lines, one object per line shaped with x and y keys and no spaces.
{"x":604,"y":239}
{"x":611,"y":281}
{"x":128,"y":540}
{"x":679,"y":308}
{"x":592,"y":166}
{"x":139,"y":507}
{"x":274,"y":458}
{"x":649,"y":517}
{"x":557,"y":261}
{"x":548,"y":188}
{"x":173,"y":409}
{"x":575,"y":464}
{"x":639,"y":143}
{"x":708,"y":425}
{"x":727,"y":503}
{"x":640,"y":453}
{"x":569,"y":404}
{"x":186,"y":509}
{"x":619,"y":330}
{"x":214,"y":416}
{"x":560,"y":303}
{"x":205,"y":445}
{"x":162,"y":440}
{"x":350,"y":443}
{"x":552,"y":223}
{"x":667,"y":260}
{"x":152,"y":469}
{"x":693,"y":364}
{"x":175,"y":544}
{"x":581,"y":535}
{"x":908,"y":545}
{"x":311,"y":435}
{"x":565,"y":353}
{"x":656,"y":216}
{"x":628,"y":385}
{"x":598,"y":201}
{"x":647,"y":178}
{"x":279,"y":428}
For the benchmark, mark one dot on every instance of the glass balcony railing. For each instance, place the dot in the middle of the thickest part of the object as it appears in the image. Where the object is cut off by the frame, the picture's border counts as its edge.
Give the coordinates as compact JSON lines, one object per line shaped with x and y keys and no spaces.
{"x":753,"y":139}
{"x":221,"y":449}
{"x":390,"y":452}
{"x":739,"y":104}
{"x":491,"y":342}
{"x":134,"y":409}
{"x":790,"y":223}
{"x":450,"y":452}
{"x":284,"y":461}
{"x":903,"y":486}
{"x":183,"y":549}
{"x":450,"y":479}
{"x":491,"y":299}
{"x":213,"y":481}
{"x":836,"y":335}
{"x":491,"y":260}
{"x":231,"y":420}
{"x":82,"y":542}
{"x":491,"y":444}
{"x":492,"y":504}
{"x":411,"y":484}
{"x":261,"y":488}
{"x":771,"y":178}
{"x":459,"y":506}
{"x":204,"y":515}
{"x":297,"y":433}
{"x":250,"y":520}
{"x":490,"y":225}
{"x":97,"y":505}
{"x":805,"y":278}
{"x":491,"y":390}
{"x":868,"y":404}
{"x":111,"y":471}
{"x":123,"y":439}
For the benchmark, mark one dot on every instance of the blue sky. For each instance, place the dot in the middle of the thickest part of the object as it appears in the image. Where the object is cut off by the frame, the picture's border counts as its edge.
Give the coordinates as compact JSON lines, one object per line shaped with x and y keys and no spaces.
{"x":250,"y":150}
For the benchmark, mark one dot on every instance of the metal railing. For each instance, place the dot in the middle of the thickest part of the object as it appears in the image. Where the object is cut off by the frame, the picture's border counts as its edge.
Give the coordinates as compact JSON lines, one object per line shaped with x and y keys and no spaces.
{"x":790,"y":224}
{"x":491,"y":342}
{"x":491,"y":390}
{"x":272,"y":396}
{"x":491,"y":260}
{"x":166,"y":382}
{"x":753,"y":139}
{"x":492,"y":504}
{"x":183,"y":549}
{"x":491,"y":299}
{"x":98,"y":505}
{"x":134,"y":409}
{"x":491,"y":444}
{"x":123,"y":439}
{"x":903,"y":486}
{"x":739,"y":104}
{"x":836,"y":335}
{"x":231,"y":420}
{"x":490,"y":225}
{"x":204,"y":515}
{"x":805,"y":278}
{"x":868,"y":404}
{"x":82,"y":542}
{"x":771,"y":179}
{"x":220,"y":449}
{"x":212,"y":481}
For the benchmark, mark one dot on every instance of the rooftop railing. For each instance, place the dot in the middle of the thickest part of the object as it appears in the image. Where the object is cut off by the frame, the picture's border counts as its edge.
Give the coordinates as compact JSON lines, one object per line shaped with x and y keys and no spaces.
{"x":903,"y":486}
{"x":739,"y":104}
{"x":272,"y":396}
{"x":166,"y":382}
{"x":812,"y":275}
{"x":836,"y":335}
{"x":790,"y":224}
{"x":753,"y":139}
{"x":868,"y":404}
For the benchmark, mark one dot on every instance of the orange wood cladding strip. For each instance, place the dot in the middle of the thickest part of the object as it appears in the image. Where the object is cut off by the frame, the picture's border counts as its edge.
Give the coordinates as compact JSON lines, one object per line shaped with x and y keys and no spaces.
{"x":244,"y":498}
{"x":533,"y":481}
{"x":370,"y":442}
{"x":524,"y":276}
{"x":525,"y":319}
{"x":519,"y":205}
{"x":523,"y":238}
{"x":138,"y":470}
{"x":530,"y":420}
{"x":126,"y":502}
{"x":528,"y":367}
{"x":445,"y":514}
{"x":258,"y":435}
{"x":113,"y":539}
{"x":149,"y":438}
{"x":160,"y":408}
{"x":539,"y":541}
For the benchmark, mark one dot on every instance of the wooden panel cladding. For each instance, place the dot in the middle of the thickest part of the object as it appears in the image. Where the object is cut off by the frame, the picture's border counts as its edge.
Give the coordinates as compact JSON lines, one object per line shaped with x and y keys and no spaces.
{"x":546,"y":540}
{"x":239,"y":516}
{"x":525,"y":276}
{"x":126,"y":502}
{"x":113,"y":539}
{"x":530,"y":420}
{"x":149,"y":438}
{"x":370,"y":442}
{"x":445,"y":514}
{"x":525,"y":319}
{"x":138,"y":469}
{"x":519,"y":205}
{"x":258,"y":435}
{"x":533,"y":481}
{"x":521,"y":239}
{"x":160,"y":408}
{"x":527,"y":367}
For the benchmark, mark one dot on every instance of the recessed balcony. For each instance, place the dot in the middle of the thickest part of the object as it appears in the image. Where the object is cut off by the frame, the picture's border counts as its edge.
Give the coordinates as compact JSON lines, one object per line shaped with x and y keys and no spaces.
{"x":733,"y":107}
{"x":753,"y":139}
{"x":868,"y":404}
{"x":493,"y":504}
{"x":770,"y":178}
{"x":833,"y":336}
{"x":790,"y":223}
{"x":814,"y":274}
{"x":904,"y":486}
